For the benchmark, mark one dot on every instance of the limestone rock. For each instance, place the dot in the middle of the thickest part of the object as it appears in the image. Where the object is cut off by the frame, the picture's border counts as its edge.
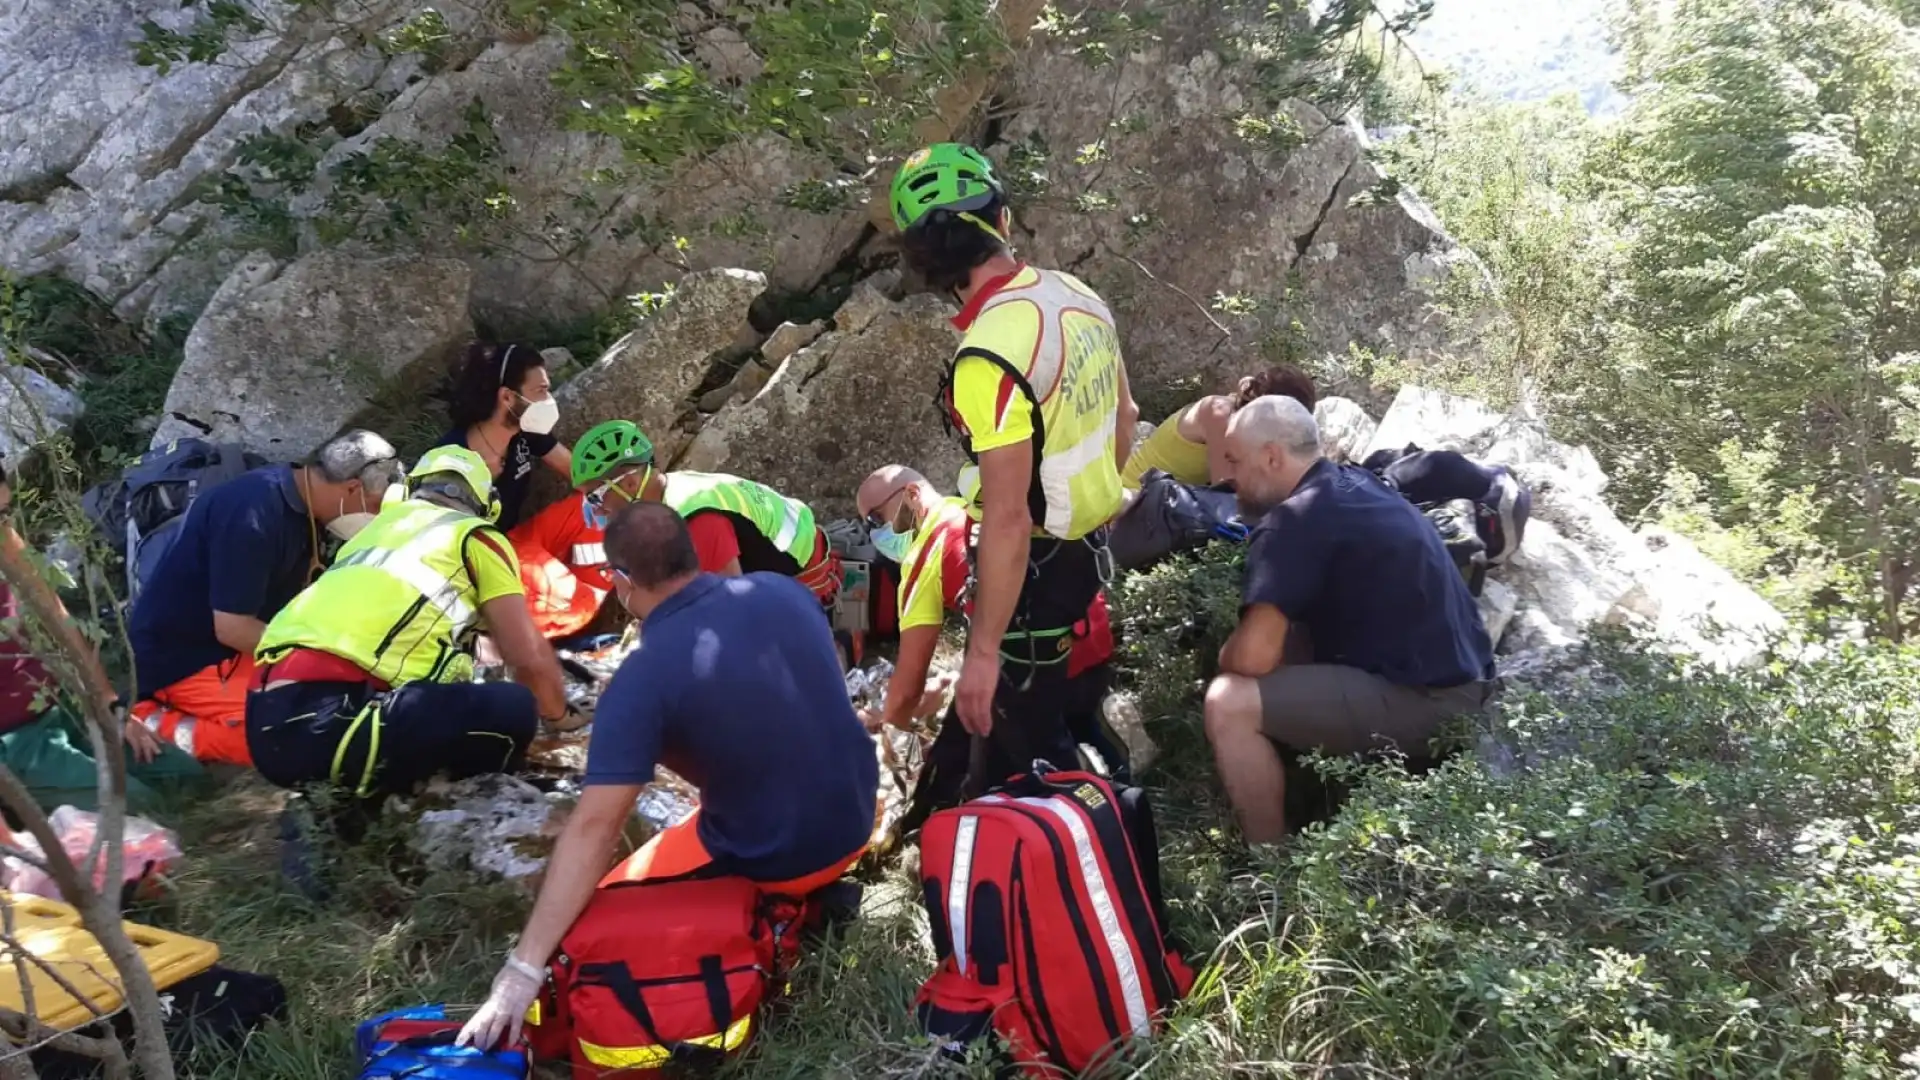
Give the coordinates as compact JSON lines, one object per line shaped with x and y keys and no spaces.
{"x":99,"y":174}
{"x":494,"y":825}
{"x":1345,"y":429}
{"x":650,"y":375}
{"x":103,"y":185}
{"x":1434,"y":420}
{"x":1715,"y":616}
{"x":575,"y":247}
{"x":834,"y":411}
{"x":790,"y":338}
{"x":1122,"y":713}
{"x":1497,"y":606}
{"x":1205,"y":236}
{"x":1579,"y":563}
{"x":868,"y":302}
{"x":33,"y":408}
{"x":1142,"y":430}
{"x":727,"y":55}
{"x":288,"y":354}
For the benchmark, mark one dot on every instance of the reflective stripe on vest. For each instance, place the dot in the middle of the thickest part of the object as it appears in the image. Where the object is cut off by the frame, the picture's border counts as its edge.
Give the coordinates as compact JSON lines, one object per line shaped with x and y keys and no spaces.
{"x":786,"y":523}
{"x":407,"y":562}
{"x":1073,"y":377}
{"x":589,"y":554}
{"x":398,"y":603}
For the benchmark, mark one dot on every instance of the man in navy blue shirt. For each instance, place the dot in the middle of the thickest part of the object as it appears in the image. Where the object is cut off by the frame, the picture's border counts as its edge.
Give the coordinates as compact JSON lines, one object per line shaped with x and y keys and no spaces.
{"x":1397,"y":643}
{"x":737,"y":687}
{"x":244,"y":550}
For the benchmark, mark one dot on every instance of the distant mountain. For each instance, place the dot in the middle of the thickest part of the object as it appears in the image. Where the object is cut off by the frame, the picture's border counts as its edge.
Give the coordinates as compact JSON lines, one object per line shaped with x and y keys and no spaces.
{"x":1525,"y":50}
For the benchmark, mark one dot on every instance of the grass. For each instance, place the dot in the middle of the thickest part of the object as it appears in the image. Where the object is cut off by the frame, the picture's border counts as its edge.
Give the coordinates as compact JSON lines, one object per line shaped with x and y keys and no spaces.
{"x":1715,"y":877}
{"x":1704,"y":876}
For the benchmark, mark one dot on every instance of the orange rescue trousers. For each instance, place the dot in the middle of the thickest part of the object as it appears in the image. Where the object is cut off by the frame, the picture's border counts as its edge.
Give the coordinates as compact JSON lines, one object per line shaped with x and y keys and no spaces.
{"x":215,"y":700}
{"x":677,"y":851}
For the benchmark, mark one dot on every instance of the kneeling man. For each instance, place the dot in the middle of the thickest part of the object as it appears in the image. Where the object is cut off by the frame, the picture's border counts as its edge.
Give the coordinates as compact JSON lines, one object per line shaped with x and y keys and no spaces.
{"x":736,"y":687}
{"x":1397,"y":644}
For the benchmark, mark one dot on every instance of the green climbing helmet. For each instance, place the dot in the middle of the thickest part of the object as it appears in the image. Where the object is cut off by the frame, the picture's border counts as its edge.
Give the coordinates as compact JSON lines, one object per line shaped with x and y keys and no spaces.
{"x":608,"y":446}
{"x":944,"y":176}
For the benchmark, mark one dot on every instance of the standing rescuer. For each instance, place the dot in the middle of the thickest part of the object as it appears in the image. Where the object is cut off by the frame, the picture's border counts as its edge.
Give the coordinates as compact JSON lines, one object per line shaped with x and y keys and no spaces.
{"x":1038,"y":394}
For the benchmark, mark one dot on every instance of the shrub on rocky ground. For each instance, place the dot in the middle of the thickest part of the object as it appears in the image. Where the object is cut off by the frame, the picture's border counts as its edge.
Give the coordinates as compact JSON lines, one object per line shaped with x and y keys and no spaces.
{"x":1702,"y":874}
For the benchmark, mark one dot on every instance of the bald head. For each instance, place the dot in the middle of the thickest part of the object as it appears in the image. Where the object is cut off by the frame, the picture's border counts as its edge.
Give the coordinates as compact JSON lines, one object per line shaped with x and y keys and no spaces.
{"x":1271,"y":443}
{"x":882,"y":484}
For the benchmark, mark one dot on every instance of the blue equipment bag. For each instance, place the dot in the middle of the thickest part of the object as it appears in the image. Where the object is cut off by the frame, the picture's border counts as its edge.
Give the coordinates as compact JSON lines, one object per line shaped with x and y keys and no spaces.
{"x":417,"y":1044}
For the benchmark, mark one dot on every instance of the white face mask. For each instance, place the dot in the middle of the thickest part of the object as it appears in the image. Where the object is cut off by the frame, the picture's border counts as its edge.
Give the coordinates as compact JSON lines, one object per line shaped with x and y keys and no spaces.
{"x":540,"y":416}
{"x":345,"y":525}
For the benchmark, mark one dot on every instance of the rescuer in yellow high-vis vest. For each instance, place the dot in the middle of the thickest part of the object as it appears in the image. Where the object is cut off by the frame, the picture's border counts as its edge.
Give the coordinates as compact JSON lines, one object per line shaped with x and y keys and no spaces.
{"x":1038,"y":394}
{"x":365,"y":680}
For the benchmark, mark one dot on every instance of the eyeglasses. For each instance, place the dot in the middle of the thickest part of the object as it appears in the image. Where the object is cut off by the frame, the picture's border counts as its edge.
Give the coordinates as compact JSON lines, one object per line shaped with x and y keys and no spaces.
{"x":877,"y":520}
{"x":598,"y":495}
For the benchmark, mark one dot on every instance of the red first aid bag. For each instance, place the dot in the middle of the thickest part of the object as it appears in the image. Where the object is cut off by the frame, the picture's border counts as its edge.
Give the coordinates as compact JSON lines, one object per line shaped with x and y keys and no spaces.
{"x":659,"y":974}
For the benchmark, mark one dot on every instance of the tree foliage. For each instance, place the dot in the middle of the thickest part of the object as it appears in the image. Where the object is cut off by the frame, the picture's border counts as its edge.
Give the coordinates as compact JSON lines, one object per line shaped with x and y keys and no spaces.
{"x":1719,"y":291}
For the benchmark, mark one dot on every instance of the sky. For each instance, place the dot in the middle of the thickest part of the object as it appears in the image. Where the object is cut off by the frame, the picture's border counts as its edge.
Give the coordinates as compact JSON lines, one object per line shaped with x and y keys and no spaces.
{"x":1524,"y":50}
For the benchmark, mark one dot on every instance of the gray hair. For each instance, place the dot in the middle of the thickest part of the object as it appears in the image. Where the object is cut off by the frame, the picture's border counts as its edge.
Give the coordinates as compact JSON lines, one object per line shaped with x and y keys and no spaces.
{"x":359,"y":455}
{"x":1274,"y":420}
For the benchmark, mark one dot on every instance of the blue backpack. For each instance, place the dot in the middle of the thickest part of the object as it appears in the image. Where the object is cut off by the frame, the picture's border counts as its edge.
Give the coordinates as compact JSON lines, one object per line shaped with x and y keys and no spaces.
{"x":139,"y":512}
{"x":417,"y":1044}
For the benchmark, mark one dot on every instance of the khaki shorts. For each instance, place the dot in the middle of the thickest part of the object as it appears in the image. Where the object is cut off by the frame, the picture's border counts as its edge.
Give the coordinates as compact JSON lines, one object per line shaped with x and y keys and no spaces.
{"x":1343,"y":710}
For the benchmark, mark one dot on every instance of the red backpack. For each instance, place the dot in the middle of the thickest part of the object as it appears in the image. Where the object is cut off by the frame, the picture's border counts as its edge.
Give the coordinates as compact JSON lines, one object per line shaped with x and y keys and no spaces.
{"x":670,"y":973}
{"x":1045,"y":904}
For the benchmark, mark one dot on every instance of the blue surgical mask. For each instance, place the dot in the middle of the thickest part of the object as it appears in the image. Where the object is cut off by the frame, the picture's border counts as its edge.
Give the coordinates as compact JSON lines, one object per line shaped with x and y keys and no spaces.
{"x":891,"y":544}
{"x":594,"y":513}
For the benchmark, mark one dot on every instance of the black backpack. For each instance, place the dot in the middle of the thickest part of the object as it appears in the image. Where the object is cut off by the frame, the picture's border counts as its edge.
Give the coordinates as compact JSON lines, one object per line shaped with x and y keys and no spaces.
{"x":1455,"y":525}
{"x":1456,"y":530}
{"x":1168,"y":516}
{"x":138,"y":513}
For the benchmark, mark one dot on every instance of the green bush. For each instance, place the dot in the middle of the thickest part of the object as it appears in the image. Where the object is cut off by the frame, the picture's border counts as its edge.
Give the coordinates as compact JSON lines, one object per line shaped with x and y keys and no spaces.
{"x":1697,"y":875}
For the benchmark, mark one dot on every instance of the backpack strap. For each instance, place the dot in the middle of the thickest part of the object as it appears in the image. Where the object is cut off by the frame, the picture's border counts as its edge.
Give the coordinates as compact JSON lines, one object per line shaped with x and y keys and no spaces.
{"x":618,"y":978}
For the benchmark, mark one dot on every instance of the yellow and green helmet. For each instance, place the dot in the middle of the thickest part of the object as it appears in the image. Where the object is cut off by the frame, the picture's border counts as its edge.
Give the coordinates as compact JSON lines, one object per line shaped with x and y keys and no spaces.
{"x":607,"y":446}
{"x":465,"y":464}
{"x":945,"y":176}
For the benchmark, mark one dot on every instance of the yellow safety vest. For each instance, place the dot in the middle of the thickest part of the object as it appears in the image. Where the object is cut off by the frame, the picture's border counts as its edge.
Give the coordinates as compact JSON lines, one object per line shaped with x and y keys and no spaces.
{"x":399,"y":601}
{"x":786,"y":523}
{"x":1072,"y":378}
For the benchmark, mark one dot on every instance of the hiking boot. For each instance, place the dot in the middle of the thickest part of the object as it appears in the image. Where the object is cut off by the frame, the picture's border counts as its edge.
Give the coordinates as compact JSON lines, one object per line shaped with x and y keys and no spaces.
{"x":299,"y":859}
{"x":1500,"y":517}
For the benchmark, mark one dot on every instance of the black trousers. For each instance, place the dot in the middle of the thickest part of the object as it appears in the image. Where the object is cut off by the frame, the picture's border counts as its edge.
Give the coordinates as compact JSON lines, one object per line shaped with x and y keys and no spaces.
{"x":1432,"y":476}
{"x":385,"y":742}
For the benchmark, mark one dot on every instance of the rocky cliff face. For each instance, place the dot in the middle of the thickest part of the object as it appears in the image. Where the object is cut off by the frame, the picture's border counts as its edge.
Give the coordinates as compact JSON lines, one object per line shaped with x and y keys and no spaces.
{"x":1213,"y":217}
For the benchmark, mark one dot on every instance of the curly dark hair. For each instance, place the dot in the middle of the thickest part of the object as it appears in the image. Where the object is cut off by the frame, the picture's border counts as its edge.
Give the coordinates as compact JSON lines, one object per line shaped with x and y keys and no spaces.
{"x":1280,"y":380}
{"x":483,"y":369}
{"x":944,"y":248}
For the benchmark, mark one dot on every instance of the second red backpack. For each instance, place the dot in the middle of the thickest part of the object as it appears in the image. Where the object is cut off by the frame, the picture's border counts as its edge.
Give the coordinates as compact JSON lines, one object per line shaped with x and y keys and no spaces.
{"x":1045,"y":903}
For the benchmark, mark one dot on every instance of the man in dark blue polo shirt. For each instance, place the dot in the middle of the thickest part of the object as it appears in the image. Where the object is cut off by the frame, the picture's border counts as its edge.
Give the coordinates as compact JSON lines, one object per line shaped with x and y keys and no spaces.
{"x":1397,"y":641}
{"x":244,"y":550}
{"x":737,"y":687}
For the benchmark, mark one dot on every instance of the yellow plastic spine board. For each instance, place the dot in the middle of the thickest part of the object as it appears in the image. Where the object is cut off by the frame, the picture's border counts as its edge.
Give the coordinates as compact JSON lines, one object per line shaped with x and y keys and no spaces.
{"x":52,"y":931}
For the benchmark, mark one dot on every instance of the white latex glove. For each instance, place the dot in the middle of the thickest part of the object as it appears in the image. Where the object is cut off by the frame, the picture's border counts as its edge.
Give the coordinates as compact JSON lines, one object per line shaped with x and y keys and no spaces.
{"x":500,"y":1019}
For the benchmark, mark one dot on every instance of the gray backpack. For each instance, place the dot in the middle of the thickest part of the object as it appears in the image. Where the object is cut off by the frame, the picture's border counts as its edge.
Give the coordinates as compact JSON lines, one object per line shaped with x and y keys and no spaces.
{"x":1168,"y":517}
{"x":139,"y":512}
